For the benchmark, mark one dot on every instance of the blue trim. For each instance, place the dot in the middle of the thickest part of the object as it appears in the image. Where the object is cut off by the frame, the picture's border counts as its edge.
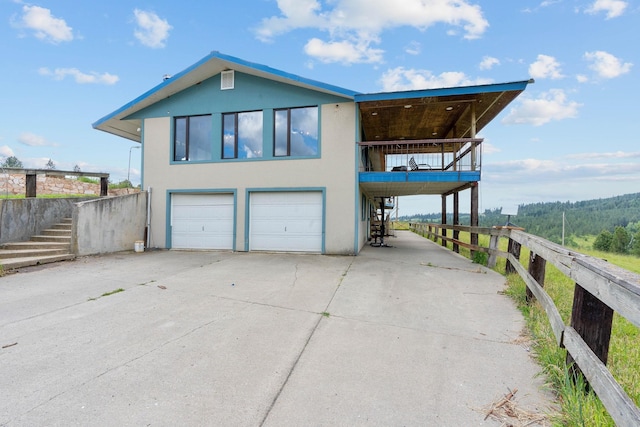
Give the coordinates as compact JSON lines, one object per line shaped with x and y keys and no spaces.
{"x":170,"y":192}
{"x":417,"y":176}
{"x":230,"y":60}
{"x":279,"y":73}
{"x":463,"y":90}
{"x":247,"y":209}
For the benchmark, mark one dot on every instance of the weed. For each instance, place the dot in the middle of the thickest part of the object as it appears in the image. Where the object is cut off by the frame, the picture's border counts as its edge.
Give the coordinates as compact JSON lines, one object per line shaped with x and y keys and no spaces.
{"x":326,"y":314}
{"x":106,"y":294}
{"x":115,"y":291}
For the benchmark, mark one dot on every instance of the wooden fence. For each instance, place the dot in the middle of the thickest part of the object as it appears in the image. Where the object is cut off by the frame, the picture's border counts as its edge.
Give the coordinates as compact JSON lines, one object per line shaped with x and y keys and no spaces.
{"x":601,"y":289}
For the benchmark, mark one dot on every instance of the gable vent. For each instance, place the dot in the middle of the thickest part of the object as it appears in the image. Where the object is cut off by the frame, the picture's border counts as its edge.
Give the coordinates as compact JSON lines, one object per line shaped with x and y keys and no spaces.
{"x":227,"y":80}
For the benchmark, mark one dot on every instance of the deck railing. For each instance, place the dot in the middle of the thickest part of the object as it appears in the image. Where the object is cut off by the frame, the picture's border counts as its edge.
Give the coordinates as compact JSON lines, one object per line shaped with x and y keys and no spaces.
{"x":601,"y":289}
{"x":455,"y":154}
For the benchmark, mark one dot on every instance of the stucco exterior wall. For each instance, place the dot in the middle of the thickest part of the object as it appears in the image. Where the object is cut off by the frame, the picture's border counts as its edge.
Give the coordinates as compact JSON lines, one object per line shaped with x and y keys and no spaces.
{"x":334,"y":171}
{"x":109,"y":224}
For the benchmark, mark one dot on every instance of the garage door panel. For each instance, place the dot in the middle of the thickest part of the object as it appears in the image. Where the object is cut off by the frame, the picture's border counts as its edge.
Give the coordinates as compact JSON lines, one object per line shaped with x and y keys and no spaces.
{"x":286,"y":221}
{"x":202,"y":221}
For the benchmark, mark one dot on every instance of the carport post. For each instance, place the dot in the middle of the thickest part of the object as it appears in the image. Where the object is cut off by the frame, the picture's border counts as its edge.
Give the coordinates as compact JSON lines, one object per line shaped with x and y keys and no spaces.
{"x":474,"y":215}
{"x":456,"y":220}
{"x":443,"y":221}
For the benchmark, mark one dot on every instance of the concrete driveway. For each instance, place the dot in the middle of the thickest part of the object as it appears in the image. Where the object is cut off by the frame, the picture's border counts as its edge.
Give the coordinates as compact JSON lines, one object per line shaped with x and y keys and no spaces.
{"x":412,"y":335}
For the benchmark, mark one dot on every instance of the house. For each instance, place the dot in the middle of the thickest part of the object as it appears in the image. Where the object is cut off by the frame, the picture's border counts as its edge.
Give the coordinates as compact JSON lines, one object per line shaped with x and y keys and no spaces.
{"x":244,"y":157}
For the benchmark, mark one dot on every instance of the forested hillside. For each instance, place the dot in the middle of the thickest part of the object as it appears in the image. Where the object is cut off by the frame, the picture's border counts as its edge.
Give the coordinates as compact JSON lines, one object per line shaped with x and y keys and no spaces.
{"x":583,"y":218}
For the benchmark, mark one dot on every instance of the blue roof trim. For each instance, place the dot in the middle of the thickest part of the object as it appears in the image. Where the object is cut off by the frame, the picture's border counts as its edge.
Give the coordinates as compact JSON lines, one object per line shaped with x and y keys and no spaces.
{"x":232,"y":60}
{"x":259,"y":67}
{"x":462,"y":90}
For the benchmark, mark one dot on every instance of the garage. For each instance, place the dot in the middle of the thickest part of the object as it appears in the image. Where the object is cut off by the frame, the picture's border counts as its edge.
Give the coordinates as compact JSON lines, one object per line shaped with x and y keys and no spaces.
{"x":290,"y":221}
{"x":202,"y":221}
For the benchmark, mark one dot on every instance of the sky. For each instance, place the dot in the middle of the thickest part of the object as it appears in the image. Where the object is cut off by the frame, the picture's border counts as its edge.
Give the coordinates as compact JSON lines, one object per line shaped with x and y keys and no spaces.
{"x":572,"y":135}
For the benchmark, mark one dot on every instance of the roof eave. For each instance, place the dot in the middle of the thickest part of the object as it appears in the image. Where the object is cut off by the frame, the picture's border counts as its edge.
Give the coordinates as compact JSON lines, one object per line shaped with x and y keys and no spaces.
{"x":207,"y":67}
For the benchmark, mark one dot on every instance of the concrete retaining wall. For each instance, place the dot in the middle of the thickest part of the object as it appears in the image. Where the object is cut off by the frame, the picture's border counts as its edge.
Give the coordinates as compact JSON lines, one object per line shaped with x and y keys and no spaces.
{"x":22,"y":218}
{"x":108,"y":225}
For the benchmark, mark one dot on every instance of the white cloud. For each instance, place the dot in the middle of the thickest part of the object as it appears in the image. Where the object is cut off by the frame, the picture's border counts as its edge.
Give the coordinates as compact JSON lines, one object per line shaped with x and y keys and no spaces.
{"x":551,"y":105}
{"x":613,"y":8}
{"x":344,"y":51}
{"x":6,"y":151}
{"x":413,"y":48}
{"x":400,"y":78}
{"x":581,"y":78}
{"x":80,"y":77}
{"x":606,"y":65}
{"x":488,"y":148}
{"x":33,"y":140}
{"x":488,"y":62}
{"x":608,"y":155}
{"x":45,"y":26}
{"x":358,"y":23}
{"x":152,"y":31}
{"x":545,"y":67}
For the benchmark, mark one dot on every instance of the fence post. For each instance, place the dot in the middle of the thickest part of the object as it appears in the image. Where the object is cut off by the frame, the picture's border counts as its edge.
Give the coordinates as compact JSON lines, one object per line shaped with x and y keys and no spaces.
{"x":493,"y":245}
{"x":592,"y":319}
{"x":537,"y":268}
{"x":514,"y":249}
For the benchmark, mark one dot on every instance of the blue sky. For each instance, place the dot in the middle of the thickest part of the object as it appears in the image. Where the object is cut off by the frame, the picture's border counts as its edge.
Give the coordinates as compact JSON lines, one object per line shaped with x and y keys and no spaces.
{"x":572,"y":135}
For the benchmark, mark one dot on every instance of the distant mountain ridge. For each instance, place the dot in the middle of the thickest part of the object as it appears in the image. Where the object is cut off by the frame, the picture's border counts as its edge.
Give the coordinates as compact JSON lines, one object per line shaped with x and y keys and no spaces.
{"x":588,"y":217}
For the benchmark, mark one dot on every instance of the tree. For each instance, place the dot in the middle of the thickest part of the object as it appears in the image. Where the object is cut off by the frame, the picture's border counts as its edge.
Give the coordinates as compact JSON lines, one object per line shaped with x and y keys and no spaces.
{"x":621,"y":239}
{"x":50,"y":165}
{"x":76,"y":168}
{"x":603,"y":241}
{"x":12,"y":162}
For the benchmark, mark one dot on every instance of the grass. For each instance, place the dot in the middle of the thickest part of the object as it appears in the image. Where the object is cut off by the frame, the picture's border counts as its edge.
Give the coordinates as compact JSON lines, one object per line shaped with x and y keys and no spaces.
{"x":577,"y":407}
{"x":106,"y":294}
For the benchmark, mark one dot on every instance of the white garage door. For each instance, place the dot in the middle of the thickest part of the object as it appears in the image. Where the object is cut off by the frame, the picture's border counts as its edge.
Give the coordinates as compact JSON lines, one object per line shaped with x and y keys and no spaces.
{"x":202,"y":221}
{"x":286,"y":221}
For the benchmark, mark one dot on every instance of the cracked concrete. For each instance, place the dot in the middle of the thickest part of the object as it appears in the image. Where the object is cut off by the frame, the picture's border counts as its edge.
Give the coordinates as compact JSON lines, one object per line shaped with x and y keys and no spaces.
{"x":218,"y":338}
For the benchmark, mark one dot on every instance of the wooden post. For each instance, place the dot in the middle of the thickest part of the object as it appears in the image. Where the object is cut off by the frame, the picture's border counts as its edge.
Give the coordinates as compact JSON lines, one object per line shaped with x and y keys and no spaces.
{"x":493,"y":244}
{"x":592,"y":319}
{"x":514,"y":249}
{"x":443,"y":220}
{"x":456,"y":220}
{"x":31,"y":185}
{"x":537,"y":268}
{"x":474,"y":215}
{"x":104,"y":186}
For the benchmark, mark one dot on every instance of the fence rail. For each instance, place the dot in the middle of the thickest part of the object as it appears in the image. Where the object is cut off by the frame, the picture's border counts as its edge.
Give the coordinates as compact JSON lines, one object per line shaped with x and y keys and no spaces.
{"x":601,"y":289}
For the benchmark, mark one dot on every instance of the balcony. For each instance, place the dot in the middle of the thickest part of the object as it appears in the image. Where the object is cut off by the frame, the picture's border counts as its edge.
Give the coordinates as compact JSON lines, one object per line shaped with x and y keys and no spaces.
{"x":433,"y":166}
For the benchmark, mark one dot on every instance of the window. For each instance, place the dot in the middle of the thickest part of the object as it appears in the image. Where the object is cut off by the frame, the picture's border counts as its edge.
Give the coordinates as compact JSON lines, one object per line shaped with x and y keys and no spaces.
{"x":192,"y":138}
{"x":296,"y":132}
{"x":242,"y":135}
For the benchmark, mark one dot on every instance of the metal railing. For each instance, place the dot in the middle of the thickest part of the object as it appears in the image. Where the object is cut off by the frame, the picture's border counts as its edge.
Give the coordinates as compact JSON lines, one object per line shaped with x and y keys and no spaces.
{"x":455,"y":154}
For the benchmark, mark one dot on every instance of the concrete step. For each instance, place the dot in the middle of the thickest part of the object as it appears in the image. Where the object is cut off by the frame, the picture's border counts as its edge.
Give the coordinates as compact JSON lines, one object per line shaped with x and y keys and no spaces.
{"x":13,"y":263}
{"x":59,"y":239}
{"x":55,"y":232}
{"x":17,"y":246}
{"x":25,"y":253}
{"x":62,"y":226}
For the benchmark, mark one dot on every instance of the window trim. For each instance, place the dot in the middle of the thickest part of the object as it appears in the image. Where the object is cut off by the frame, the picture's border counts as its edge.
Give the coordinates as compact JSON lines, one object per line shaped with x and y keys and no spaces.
{"x":187,"y":138}
{"x":236,"y":134}
{"x":288,"y":110}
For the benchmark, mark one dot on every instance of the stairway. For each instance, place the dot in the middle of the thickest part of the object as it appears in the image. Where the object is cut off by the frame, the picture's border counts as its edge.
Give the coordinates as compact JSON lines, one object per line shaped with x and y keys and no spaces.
{"x":52,"y":245}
